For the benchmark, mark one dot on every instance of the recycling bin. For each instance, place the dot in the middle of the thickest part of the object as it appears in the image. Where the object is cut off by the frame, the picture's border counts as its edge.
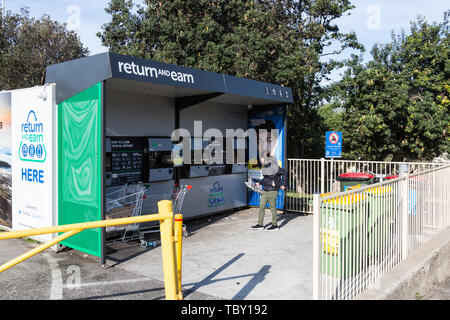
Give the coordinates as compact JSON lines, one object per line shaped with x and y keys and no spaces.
{"x":343,"y":235}
{"x":416,"y":182}
{"x":381,"y":201}
{"x":351,"y":179}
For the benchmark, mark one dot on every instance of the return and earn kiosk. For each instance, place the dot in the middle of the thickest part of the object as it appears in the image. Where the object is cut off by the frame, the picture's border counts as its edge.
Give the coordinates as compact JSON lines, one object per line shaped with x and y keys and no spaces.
{"x":107,"y":120}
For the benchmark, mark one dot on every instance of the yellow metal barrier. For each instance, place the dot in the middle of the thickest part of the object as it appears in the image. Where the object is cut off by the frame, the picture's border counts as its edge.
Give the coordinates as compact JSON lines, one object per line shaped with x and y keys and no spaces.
{"x":178,"y":225}
{"x":171,"y":241}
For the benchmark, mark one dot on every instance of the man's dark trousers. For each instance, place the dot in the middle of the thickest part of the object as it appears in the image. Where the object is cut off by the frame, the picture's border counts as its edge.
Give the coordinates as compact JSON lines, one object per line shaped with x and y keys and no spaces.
{"x":271,"y":197}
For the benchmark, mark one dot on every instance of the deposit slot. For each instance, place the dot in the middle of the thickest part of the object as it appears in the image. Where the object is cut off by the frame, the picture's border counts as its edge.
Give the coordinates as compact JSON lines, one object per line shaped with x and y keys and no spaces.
{"x":240,"y":151}
{"x":194,"y":169}
{"x":160,"y":159}
{"x":216,"y":158}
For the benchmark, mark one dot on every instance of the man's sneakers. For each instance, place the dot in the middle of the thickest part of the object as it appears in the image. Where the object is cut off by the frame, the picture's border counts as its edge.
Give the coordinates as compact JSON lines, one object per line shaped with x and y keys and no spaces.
{"x":260,"y":227}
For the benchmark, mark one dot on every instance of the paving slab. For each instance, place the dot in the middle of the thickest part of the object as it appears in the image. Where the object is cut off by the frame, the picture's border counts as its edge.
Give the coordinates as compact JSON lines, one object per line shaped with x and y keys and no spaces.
{"x":223,"y":257}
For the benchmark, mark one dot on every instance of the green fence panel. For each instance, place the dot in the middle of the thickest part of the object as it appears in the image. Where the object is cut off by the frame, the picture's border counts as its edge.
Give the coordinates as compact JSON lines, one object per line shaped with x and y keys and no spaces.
{"x":80,"y":167}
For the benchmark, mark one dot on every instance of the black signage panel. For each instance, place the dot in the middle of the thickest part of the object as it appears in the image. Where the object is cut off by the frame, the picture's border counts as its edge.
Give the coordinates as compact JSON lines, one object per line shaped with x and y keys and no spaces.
{"x":87,"y":71}
{"x":137,"y":69}
{"x":252,"y":88}
{"x":127,"y":159}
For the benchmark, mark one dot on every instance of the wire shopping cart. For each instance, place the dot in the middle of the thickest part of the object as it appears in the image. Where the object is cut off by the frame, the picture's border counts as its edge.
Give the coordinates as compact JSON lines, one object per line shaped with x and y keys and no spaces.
{"x":129,"y":202}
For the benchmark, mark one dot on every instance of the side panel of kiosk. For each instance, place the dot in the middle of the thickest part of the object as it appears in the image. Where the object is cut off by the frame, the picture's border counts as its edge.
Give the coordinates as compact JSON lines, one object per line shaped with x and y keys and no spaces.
{"x":5,"y":161}
{"x":270,"y":117}
{"x":80,"y":166}
{"x":33,"y":150}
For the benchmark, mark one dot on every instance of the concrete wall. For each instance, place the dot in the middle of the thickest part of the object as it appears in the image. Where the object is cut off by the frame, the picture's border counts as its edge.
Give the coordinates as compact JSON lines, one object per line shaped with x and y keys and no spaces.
{"x":423,"y":271}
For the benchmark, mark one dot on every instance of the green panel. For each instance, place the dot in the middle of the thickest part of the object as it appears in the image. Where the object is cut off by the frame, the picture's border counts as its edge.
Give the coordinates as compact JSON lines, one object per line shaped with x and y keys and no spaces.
{"x":80,"y":167}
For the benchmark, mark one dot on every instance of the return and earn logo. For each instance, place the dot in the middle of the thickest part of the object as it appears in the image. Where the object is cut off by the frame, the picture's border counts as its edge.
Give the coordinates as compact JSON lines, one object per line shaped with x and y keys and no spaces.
{"x":32,"y":147}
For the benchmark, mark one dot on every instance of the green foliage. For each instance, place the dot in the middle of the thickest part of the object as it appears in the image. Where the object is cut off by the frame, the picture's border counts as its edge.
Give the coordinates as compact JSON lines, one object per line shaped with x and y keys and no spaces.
{"x":28,"y":46}
{"x":397,"y":106}
{"x":275,"y":41}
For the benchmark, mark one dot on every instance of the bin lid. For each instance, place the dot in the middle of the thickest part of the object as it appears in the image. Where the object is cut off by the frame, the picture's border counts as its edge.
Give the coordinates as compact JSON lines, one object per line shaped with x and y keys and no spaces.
{"x":418,"y":178}
{"x":349,"y":199}
{"x":379,"y":190}
{"x":355,"y":176}
{"x":354,"y":187}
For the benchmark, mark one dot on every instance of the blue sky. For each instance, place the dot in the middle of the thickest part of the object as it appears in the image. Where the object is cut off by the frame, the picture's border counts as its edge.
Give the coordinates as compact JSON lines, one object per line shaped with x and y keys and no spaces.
{"x":371,"y":20}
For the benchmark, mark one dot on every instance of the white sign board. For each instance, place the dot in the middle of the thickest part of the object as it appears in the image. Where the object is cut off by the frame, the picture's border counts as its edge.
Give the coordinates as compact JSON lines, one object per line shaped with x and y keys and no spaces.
{"x":32,"y":149}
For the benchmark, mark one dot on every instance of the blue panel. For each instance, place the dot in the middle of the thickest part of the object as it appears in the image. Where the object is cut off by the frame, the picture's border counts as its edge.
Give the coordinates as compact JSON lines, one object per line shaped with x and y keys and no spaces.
{"x":275,"y":116}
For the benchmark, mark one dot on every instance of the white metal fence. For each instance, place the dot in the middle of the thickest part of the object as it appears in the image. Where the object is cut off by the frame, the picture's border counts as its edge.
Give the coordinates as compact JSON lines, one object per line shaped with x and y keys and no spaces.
{"x":310,"y":176}
{"x":362,"y":233}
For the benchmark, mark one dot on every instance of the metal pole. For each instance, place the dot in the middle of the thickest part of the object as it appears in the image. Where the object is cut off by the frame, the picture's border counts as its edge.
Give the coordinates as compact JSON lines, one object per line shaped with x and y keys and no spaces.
{"x":85,"y":225}
{"x":168,"y":250}
{"x":178,"y":230}
{"x":316,"y":247}
{"x":322,"y":175}
{"x":405,"y":217}
{"x":331,"y":175}
{"x":36,"y":250}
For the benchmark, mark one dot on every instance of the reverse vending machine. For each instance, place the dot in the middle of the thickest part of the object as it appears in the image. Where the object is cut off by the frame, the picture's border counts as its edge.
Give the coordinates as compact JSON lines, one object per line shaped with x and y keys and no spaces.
{"x":160,"y":159}
{"x":198,"y":166}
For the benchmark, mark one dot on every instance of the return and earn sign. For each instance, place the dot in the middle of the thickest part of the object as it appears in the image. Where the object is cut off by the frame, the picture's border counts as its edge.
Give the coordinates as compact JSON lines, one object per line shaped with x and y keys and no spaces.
{"x":333,"y":144}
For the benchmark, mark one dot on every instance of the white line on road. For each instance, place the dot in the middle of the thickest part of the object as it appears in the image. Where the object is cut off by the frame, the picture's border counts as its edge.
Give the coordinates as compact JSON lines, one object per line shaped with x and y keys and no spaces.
{"x":102,"y":283}
{"x":56,"y":291}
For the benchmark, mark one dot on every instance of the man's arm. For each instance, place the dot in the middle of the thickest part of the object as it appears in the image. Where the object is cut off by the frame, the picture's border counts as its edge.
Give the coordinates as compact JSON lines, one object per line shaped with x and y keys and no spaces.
{"x":283,"y":175}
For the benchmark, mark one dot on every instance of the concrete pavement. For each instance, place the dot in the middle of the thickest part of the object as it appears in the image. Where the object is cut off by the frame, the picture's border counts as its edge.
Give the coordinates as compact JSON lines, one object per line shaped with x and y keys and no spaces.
{"x":72,"y":275}
{"x":225,"y":258}
{"x":222,"y":259}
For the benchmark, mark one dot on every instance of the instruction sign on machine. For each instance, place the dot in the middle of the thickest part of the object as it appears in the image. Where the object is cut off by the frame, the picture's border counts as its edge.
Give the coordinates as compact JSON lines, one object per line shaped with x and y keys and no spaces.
{"x":333,"y":144}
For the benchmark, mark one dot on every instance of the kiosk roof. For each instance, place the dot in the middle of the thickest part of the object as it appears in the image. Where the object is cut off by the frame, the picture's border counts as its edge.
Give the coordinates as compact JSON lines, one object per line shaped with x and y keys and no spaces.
{"x":74,"y":76}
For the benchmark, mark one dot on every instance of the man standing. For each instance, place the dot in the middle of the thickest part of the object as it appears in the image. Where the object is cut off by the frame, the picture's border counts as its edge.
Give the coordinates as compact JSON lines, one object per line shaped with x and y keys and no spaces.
{"x":274,"y":178}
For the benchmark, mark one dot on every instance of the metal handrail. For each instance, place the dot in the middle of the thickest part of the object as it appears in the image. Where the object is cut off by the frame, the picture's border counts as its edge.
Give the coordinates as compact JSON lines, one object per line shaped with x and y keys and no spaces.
{"x":359,"y":235}
{"x":171,"y":239}
{"x":380,"y":184}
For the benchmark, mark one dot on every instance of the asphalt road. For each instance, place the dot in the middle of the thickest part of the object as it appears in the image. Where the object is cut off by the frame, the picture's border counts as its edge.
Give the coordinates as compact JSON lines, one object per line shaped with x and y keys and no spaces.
{"x":72,"y":275}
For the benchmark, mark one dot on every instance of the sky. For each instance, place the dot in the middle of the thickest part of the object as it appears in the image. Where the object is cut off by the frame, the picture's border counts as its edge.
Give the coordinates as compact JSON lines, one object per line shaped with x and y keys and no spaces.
{"x":371,"y":20}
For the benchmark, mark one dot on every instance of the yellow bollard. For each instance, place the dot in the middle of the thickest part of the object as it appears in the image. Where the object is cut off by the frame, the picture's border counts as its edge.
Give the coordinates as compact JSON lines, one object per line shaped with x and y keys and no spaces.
{"x":178,"y":226}
{"x":168,"y":251}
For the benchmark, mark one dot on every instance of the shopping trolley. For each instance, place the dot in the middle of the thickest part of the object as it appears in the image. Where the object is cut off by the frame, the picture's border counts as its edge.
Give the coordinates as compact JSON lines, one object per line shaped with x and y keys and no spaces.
{"x":123,"y":204}
{"x":128,"y":201}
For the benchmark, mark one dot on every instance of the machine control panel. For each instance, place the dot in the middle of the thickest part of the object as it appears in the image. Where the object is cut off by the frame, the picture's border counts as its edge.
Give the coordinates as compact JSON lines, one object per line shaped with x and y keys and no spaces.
{"x":160,"y":159}
{"x":125,"y":161}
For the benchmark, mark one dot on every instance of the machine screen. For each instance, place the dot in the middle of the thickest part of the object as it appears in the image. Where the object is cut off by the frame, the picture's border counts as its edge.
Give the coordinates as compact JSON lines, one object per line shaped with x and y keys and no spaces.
{"x":125,"y":160}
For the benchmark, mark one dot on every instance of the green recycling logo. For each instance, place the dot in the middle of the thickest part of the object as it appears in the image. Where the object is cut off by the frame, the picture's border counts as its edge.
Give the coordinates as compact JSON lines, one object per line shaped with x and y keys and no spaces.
{"x":216,"y":197}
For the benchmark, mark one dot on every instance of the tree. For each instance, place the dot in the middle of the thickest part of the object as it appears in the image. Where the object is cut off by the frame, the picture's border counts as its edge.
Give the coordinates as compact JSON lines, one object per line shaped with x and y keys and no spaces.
{"x":29,"y":45}
{"x":397,"y":106}
{"x":275,"y":41}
